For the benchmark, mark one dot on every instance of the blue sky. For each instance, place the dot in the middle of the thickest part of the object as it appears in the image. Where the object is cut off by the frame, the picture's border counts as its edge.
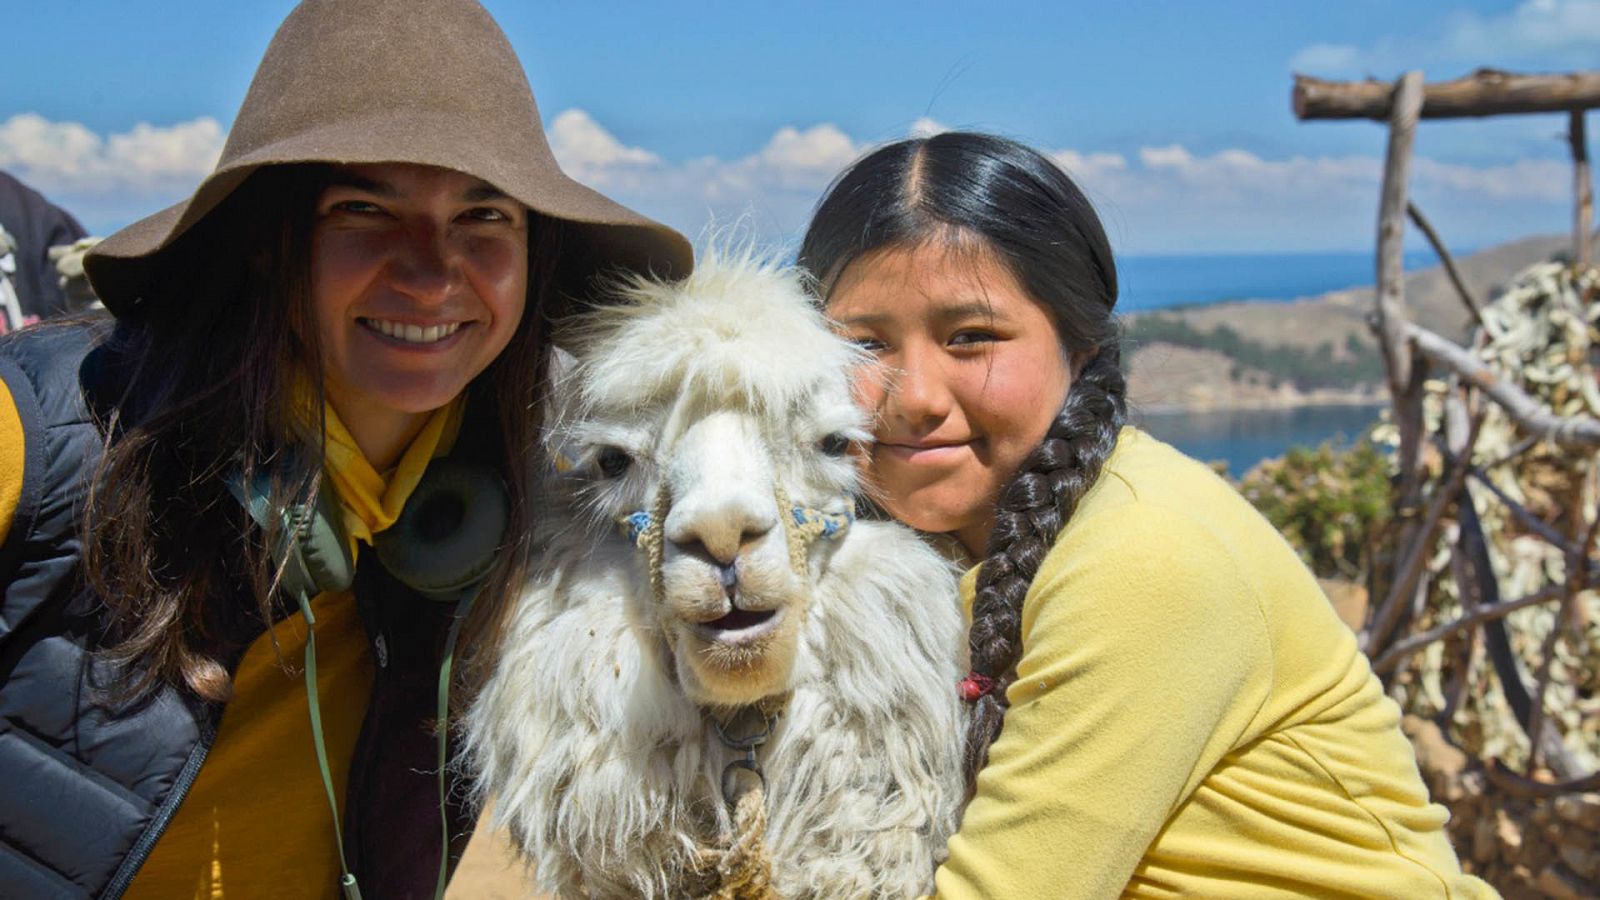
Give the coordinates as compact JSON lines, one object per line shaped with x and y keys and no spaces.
{"x":1175,"y":116}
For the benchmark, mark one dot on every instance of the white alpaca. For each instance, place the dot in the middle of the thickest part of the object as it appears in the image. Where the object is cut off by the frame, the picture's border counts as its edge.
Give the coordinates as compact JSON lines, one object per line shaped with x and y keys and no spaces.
{"x":718,"y":412}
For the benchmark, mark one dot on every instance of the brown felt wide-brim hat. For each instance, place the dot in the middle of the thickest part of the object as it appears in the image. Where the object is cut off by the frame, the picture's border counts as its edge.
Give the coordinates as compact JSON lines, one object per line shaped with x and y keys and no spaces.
{"x":433,"y":82}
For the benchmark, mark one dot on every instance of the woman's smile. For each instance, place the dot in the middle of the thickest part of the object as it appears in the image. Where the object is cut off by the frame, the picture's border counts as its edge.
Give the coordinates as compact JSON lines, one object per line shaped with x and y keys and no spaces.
{"x":412,"y":334}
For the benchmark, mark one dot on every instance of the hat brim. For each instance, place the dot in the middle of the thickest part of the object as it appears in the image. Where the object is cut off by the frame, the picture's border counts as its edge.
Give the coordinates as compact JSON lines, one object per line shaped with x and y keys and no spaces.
{"x":119,"y":268}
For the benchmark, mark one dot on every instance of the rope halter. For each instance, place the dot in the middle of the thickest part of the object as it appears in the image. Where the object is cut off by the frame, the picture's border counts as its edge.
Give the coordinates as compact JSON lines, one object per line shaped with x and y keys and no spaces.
{"x":643,"y":529}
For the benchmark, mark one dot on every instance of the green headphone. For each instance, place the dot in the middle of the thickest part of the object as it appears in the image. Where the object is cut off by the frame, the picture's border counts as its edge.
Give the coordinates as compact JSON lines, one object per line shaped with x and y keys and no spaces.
{"x":442,"y":546}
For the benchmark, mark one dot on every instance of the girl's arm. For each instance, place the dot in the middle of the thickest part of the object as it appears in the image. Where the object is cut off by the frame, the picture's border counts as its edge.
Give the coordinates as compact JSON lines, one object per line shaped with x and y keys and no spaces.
{"x":1145,"y":658}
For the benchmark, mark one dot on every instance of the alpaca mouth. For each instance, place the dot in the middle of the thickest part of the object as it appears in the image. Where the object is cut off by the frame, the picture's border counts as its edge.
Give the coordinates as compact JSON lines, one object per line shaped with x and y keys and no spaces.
{"x":739,"y":626}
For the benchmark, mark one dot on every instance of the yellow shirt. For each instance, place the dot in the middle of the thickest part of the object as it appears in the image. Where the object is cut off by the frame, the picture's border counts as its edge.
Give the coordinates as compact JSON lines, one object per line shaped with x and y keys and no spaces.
{"x":1191,"y":719}
{"x":256,"y":821}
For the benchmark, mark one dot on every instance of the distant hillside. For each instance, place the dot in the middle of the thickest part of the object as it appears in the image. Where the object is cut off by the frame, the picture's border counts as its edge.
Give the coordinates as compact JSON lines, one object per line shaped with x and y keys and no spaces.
{"x":1306,"y":351}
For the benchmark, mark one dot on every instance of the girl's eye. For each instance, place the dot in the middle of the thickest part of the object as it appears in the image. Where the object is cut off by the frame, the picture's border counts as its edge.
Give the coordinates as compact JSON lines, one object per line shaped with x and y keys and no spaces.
{"x":835,"y":444}
{"x":487,"y":214}
{"x":871,"y":345}
{"x":613,"y":461}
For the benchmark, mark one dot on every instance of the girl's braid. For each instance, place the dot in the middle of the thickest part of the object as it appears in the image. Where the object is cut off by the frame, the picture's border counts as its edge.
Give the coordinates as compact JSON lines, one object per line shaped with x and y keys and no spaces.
{"x":1032,"y":509}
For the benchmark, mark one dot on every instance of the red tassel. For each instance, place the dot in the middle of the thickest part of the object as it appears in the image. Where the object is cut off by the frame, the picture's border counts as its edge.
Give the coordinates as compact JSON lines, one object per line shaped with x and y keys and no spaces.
{"x":975,"y":686}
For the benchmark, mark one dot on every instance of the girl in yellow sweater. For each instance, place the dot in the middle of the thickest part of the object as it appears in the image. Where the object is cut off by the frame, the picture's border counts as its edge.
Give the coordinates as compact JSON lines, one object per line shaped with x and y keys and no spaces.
{"x":1164,"y":703}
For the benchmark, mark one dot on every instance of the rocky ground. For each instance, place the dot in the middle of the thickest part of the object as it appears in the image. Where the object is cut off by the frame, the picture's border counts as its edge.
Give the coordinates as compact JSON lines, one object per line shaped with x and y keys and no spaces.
{"x":1527,"y":847}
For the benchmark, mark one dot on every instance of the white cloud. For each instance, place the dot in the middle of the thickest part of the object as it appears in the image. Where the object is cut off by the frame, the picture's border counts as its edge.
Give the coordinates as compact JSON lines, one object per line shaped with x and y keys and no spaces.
{"x":1526,"y":179}
{"x":1157,"y":198}
{"x":107,"y":181}
{"x":1542,"y":34}
{"x":805,"y":159}
{"x":586,"y":149}
{"x":772,"y":188}
{"x":1535,"y":26}
{"x":1089,"y":166}
{"x":1327,"y":58}
{"x":67,"y":155}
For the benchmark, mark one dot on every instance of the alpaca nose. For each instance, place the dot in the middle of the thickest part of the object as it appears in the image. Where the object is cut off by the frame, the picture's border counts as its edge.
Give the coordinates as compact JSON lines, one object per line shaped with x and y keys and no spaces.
{"x":722,"y":529}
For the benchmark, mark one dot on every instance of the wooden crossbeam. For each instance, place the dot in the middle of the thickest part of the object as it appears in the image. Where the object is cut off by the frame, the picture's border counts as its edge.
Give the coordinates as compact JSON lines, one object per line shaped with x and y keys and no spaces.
{"x":1486,"y":92}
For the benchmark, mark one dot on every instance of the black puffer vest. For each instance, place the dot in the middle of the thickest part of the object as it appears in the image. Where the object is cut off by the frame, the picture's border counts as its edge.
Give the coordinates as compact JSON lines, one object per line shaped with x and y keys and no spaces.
{"x":90,"y":788}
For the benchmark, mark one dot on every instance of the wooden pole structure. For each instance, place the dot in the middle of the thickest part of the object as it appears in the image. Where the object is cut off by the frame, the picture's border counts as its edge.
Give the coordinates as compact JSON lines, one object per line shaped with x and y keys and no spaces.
{"x":1391,"y":318}
{"x":1486,"y":92}
{"x":1582,"y":190}
{"x":1405,"y":383}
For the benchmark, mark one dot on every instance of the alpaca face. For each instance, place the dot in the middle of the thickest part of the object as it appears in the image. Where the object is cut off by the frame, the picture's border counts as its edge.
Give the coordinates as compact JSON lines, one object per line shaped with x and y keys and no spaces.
{"x":717,"y":411}
{"x":734,"y":602}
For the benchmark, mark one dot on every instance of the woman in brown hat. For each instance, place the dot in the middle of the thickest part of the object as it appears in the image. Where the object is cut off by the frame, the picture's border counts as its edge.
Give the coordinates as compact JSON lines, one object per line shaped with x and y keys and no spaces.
{"x":348,"y":306}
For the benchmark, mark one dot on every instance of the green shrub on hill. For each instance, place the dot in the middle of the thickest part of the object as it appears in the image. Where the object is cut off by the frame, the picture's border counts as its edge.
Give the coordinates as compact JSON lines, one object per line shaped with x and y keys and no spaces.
{"x":1328,"y":501}
{"x":1320,"y":368}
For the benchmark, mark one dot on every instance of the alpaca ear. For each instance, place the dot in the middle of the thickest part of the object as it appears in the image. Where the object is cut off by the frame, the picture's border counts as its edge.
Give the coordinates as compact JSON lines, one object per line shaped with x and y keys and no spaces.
{"x":561,"y":386}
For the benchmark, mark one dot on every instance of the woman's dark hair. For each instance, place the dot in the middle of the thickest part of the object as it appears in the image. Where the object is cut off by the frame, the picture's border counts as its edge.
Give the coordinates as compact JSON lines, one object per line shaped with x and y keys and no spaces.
{"x":208,"y":372}
{"x":1001,"y":198}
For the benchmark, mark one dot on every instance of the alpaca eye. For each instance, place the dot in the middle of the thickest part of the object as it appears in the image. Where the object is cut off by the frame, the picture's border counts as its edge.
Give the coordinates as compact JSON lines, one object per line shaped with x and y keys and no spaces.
{"x":835,"y":444}
{"x":613,"y":461}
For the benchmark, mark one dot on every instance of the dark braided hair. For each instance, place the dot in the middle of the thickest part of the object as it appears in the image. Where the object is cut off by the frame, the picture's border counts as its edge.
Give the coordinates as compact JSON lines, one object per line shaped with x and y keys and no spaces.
{"x":965,"y":188}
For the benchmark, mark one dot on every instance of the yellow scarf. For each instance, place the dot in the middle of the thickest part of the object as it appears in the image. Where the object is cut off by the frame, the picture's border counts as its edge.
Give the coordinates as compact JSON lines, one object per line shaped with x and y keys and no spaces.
{"x":372,"y":500}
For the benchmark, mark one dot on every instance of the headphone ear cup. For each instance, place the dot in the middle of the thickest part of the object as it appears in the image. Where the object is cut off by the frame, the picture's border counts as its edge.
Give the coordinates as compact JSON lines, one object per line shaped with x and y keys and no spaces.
{"x":449,"y":532}
{"x":310,"y":538}
{"x":321,"y":547}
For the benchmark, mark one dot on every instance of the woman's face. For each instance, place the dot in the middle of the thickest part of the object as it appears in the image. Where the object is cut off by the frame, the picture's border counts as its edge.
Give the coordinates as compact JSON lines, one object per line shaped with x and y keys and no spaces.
{"x":973,"y":375}
{"x":419,"y":276}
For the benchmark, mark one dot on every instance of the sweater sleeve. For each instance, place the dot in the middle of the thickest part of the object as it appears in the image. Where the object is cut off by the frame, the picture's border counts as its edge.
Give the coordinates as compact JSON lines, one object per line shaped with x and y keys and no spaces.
{"x":1145,"y":658}
{"x":11,"y":459}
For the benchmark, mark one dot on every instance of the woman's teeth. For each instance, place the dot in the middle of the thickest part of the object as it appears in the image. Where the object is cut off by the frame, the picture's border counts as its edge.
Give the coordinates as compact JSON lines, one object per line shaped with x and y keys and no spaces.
{"x":415,"y":334}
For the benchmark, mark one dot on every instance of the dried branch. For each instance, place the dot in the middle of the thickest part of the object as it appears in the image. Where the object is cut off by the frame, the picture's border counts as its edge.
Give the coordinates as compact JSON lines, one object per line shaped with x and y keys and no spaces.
{"x":1582,"y":190}
{"x":1417,"y":550}
{"x":1571,"y":432}
{"x":1576,"y":564}
{"x":1524,"y":518}
{"x":1541,"y":681}
{"x":1517,"y":449}
{"x":1445,"y":259}
{"x":1487,"y":613}
{"x":1502,"y":776}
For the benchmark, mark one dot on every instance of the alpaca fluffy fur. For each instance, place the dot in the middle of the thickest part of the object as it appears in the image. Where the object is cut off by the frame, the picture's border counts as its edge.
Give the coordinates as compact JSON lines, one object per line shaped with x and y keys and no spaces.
{"x":605,"y":770}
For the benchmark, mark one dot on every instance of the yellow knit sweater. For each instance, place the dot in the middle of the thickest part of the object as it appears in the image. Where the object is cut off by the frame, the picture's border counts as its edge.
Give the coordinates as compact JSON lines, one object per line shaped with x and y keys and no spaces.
{"x":1191,"y":719}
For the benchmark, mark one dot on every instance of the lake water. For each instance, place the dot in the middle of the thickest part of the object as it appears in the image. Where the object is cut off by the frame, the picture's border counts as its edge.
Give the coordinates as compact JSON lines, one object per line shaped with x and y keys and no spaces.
{"x":1156,"y":282}
{"x":1243,"y":438}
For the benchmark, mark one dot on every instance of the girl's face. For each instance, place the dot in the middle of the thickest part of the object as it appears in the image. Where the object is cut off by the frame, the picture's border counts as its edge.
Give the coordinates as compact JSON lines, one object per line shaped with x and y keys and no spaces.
{"x":973,"y":374}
